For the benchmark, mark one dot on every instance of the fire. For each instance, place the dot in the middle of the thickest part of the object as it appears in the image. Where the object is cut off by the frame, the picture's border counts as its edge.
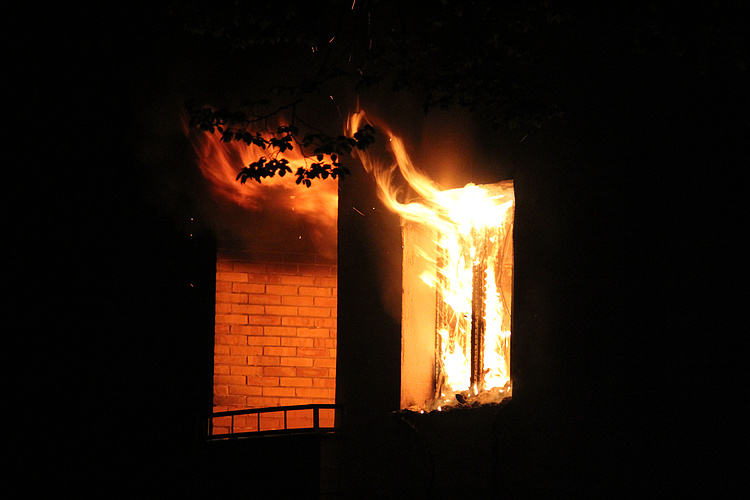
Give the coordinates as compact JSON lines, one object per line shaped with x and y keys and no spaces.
{"x":468,"y":261}
{"x":279,"y":195}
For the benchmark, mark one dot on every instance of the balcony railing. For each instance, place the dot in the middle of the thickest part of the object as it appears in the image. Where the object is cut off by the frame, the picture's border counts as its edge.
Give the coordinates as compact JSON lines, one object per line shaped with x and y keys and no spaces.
{"x":252,"y":416}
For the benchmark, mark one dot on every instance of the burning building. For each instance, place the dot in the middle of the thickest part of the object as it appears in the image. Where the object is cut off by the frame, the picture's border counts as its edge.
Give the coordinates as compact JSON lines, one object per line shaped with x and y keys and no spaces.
{"x":428,"y":280}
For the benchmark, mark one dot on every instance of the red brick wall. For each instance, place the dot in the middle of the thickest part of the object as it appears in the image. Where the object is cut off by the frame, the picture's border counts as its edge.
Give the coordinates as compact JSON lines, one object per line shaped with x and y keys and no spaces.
{"x":275,"y":335}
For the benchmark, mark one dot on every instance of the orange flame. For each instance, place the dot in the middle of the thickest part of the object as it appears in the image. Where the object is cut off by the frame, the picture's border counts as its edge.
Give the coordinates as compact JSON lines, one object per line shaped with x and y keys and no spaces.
{"x":221,"y":161}
{"x":473,"y":227}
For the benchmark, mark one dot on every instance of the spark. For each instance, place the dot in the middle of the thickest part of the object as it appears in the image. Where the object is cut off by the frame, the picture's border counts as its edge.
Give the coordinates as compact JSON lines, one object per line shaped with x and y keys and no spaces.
{"x":360,"y":213}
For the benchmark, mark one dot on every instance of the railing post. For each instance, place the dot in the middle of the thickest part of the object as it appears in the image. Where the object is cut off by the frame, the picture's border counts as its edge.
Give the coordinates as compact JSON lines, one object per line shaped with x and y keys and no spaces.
{"x":257,"y":411}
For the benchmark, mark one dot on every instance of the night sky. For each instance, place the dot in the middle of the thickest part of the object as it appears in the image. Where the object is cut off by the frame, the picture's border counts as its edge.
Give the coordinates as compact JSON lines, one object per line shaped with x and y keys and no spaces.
{"x":645,"y":168}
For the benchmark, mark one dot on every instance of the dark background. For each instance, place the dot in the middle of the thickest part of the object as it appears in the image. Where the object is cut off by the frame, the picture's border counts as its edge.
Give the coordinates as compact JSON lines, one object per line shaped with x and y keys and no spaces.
{"x":636,"y":200}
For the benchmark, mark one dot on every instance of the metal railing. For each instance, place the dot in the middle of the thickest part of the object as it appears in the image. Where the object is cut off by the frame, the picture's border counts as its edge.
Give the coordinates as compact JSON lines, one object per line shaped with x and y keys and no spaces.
{"x":316,"y":427}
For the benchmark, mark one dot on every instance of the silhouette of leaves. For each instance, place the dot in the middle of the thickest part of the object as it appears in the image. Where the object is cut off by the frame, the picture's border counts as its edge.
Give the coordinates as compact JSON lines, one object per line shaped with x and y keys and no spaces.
{"x":328,"y":150}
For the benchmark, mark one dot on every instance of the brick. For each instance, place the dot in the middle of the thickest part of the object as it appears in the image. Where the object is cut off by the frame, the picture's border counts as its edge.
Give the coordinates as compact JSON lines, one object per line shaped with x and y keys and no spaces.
{"x":221,"y":369}
{"x":221,"y":390}
{"x":326,"y":383}
{"x":313,"y":332}
{"x":312,"y":372}
{"x":231,"y":276}
{"x":325,"y":342}
{"x":331,"y":282}
{"x":223,"y":308}
{"x":323,"y":362}
{"x":245,"y":423}
{"x":295,"y":401}
{"x":245,"y":350}
{"x":295,"y":300}
{"x":263,"y":381}
{"x":295,"y":361}
{"x":314,"y":392}
{"x":278,"y":391}
{"x":224,"y":265}
{"x":280,"y":371}
{"x":330,"y":302}
{"x":297,"y":280}
{"x":312,"y":352}
{"x":314,"y":311}
{"x":232,"y":319}
{"x":247,"y":390}
{"x":248,"y":288}
{"x":254,"y":371}
{"x":325,"y":322}
{"x":281,"y":310}
{"x":297,"y":342}
{"x":256,"y":319}
{"x":267,"y":279}
{"x":246,"y":330}
{"x":300,"y":422}
{"x":297,"y":321}
{"x":221,"y":349}
{"x":295,"y":382}
{"x":263,"y":340}
{"x":263,"y":360}
{"x":249,"y":309}
{"x":222,"y":359}
{"x":230,"y":400}
{"x":283,"y":331}
{"x":224,"y":287}
{"x":229,"y":379}
{"x":315,"y":270}
{"x":221,"y":328}
{"x":264,"y":299}
{"x":230,"y":339}
{"x":280,"y":351}
{"x":262,"y":401}
{"x":316,"y":291}
{"x":271,"y":421}
{"x":282,"y":289}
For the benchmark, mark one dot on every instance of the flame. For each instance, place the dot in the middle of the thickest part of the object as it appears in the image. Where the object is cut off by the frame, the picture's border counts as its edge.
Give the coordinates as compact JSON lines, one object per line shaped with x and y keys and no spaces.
{"x":470,"y":258}
{"x":220,"y":163}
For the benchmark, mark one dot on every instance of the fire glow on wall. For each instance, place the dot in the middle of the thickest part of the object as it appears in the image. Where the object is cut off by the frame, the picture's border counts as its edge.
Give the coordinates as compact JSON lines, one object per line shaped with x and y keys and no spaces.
{"x":457,"y":286}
